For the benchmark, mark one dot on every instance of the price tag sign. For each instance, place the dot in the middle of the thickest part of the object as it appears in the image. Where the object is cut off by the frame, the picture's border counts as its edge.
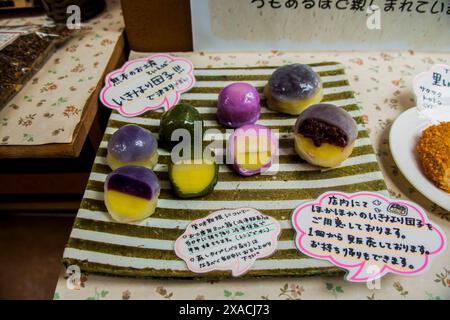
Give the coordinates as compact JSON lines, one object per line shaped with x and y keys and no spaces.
{"x":228,"y":240}
{"x":147,"y":84}
{"x":367,"y":234}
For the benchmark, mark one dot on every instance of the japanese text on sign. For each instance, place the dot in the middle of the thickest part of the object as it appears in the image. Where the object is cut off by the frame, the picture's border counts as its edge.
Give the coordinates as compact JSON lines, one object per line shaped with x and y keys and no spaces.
{"x":228,"y":240}
{"x":367,"y":234}
{"x":433,"y":7}
{"x":336,"y":25}
{"x":147,"y":84}
{"x":432,"y":90}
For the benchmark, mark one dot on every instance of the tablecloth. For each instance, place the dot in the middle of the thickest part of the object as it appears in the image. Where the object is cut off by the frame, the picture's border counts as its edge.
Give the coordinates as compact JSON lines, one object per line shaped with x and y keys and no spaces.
{"x":50,"y":106}
{"x":382,"y":82}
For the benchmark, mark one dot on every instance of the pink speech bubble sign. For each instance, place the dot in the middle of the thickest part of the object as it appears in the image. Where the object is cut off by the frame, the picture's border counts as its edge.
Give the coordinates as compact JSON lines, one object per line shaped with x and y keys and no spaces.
{"x":430,"y":236}
{"x":236,"y":230}
{"x":128,"y":89}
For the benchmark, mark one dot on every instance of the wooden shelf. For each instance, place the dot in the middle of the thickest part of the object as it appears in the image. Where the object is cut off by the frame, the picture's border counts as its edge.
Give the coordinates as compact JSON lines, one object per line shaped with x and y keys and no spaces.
{"x":87,"y":127}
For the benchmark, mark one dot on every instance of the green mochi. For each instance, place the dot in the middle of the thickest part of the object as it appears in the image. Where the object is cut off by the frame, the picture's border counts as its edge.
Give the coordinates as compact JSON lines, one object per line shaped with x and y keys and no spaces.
{"x":181,"y":116}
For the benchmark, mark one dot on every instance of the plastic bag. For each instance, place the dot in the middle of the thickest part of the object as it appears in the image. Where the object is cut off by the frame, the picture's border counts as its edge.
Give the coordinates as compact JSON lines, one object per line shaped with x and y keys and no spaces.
{"x":23,"y":51}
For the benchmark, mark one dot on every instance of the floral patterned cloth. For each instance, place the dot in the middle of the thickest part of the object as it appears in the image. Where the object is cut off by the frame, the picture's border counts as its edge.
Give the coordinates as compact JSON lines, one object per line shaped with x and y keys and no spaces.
{"x":383,"y":84}
{"x":50,"y":106}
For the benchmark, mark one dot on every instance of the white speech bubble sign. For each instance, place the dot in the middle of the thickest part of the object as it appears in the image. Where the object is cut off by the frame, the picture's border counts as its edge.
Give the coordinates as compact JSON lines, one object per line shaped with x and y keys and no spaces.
{"x":228,"y":240}
{"x":146,"y":84}
{"x":432,"y":90}
{"x":363,"y":232}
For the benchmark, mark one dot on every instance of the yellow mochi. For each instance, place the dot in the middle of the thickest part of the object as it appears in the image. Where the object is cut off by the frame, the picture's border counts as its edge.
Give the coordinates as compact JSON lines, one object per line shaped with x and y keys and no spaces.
{"x":115,"y":164}
{"x":126,"y":208}
{"x":326,"y":155}
{"x":253,"y":160}
{"x":193,"y":177}
{"x":293,"y":107}
{"x":252,"y":152}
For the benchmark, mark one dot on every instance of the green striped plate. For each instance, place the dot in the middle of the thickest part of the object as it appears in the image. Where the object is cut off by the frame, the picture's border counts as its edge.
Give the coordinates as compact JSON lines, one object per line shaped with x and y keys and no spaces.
{"x":98,"y":244}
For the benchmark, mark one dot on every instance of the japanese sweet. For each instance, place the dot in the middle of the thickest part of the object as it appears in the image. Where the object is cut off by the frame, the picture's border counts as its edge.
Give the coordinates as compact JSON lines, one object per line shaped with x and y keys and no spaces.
{"x":193,"y":177}
{"x":251,"y":149}
{"x":238,"y":104}
{"x":131,"y":193}
{"x":132,"y":145}
{"x":181,"y":116}
{"x":293,"y":88}
{"x":434,"y":154}
{"x":325,"y":135}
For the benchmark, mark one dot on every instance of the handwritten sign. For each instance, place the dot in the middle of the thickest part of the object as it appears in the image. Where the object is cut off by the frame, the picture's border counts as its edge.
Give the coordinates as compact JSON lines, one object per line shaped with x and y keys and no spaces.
{"x":432,"y":90}
{"x":147,"y":84}
{"x":367,"y":234}
{"x":228,"y":240}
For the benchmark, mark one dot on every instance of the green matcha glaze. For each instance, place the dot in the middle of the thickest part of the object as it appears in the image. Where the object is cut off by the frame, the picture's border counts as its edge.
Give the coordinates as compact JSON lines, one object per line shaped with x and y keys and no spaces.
{"x":180,"y":116}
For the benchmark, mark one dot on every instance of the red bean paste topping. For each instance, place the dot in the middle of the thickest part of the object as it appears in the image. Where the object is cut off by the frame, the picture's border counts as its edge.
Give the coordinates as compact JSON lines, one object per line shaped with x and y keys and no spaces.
{"x":320,"y":132}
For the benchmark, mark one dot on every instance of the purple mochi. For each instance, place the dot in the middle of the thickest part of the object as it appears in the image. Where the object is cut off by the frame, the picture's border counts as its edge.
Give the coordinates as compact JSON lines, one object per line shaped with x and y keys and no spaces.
{"x":293,"y":82}
{"x":327,"y":123}
{"x":132,"y":143}
{"x":238,"y":104}
{"x":133,"y":180}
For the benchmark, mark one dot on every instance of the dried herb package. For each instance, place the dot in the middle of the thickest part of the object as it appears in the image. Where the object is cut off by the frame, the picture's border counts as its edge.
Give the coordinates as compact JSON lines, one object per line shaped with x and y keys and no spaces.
{"x":23,"y":51}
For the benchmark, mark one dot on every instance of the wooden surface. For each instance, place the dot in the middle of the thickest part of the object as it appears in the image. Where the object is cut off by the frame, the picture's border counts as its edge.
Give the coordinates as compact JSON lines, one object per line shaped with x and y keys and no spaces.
{"x":31,"y":248}
{"x":52,"y":177}
{"x":82,"y":130}
{"x":45,"y":184}
{"x":158,"y":25}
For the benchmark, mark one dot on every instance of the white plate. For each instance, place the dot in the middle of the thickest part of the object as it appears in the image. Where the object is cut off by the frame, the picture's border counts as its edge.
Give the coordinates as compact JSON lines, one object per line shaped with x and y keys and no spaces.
{"x":403,"y":138}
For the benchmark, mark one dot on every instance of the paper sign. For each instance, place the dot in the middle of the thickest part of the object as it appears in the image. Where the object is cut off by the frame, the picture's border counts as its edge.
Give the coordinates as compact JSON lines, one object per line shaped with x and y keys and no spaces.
{"x":367,"y":234}
{"x":228,"y":240}
{"x":320,"y":25}
{"x":147,"y":84}
{"x":432,"y":90}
